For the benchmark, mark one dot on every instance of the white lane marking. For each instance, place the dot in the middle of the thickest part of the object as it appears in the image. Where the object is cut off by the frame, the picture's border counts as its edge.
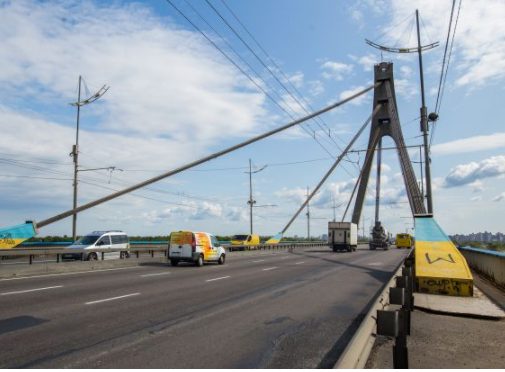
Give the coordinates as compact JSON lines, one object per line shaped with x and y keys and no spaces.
{"x":375,"y":264}
{"x":74,"y":273}
{"x":155,"y":274}
{"x":111,"y":298}
{"x":223,"y":277}
{"x":270,"y":268}
{"x":299,"y":263}
{"x":283,"y":258}
{"x":258,"y":261}
{"x":30,"y":290}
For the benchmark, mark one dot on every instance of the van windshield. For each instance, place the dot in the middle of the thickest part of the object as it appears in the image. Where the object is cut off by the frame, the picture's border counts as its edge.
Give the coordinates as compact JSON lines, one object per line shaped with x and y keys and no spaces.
{"x":239,"y":237}
{"x":87,"y":240}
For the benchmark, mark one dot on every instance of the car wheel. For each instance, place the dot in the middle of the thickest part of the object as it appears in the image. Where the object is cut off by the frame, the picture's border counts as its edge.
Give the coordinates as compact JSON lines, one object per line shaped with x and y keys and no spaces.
{"x":199,"y":261}
{"x":174,"y":262}
{"x":221,"y":259}
{"x":92,"y":256}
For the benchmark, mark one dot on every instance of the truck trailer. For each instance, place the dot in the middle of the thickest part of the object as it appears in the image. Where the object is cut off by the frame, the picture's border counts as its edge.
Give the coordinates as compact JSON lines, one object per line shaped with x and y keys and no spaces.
{"x":342,"y":236}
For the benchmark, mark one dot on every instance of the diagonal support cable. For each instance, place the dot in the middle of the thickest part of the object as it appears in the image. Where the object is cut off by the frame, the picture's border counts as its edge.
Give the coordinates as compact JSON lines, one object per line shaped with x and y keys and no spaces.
{"x":330,"y":171}
{"x":203,"y":160}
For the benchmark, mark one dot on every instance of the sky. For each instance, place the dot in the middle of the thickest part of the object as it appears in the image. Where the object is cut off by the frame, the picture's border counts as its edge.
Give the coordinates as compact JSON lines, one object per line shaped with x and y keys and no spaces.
{"x":178,"y":93}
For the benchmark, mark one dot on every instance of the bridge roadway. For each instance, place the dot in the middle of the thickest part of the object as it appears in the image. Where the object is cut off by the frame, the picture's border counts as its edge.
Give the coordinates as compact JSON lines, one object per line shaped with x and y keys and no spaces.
{"x":259,"y":310}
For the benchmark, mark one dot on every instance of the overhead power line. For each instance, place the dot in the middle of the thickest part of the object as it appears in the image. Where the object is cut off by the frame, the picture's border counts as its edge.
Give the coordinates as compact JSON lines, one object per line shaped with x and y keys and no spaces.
{"x":442,"y":83}
{"x":245,"y":73}
{"x":272,"y":73}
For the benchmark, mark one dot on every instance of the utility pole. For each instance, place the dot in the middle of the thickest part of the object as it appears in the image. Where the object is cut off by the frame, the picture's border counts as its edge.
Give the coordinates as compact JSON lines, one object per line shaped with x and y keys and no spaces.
{"x":308,"y":216}
{"x":74,"y":153}
{"x":251,"y":201}
{"x":424,"y":122}
{"x":75,"y":148}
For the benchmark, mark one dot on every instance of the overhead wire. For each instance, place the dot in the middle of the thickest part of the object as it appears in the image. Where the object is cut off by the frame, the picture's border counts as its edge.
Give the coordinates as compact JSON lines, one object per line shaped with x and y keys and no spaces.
{"x":238,"y":67}
{"x":272,"y":61}
{"x":442,"y":88}
{"x":235,"y":32}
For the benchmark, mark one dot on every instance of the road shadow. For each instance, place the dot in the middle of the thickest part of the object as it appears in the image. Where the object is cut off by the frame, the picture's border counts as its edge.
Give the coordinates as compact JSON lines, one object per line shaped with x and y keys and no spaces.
{"x":19,"y":322}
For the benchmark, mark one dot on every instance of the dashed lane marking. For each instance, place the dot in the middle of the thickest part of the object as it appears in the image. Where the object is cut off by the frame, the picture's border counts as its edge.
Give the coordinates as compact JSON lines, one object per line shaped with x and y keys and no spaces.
{"x":223,"y":277}
{"x":111,"y":299}
{"x":155,"y":274}
{"x":72,"y":273}
{"x":30,"y":290}
{"x":299,"y":263}
{"x":270,"y":268}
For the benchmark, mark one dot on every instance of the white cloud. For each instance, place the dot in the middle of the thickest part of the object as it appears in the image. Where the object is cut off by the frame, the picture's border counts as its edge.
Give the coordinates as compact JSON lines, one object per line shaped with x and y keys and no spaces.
{"x":470,"y":144}
{"x":499,"y":198}
{"x":471,"y":172}
{"x":479,"y":52}
{"x":316,"y":87}
{"x":477,"y":186}
{"x":191,"y":211}
{"x":296,"y":79}
{"x":336,"y":70}
{"x":367,"y":61}
{"x":358,"y":101}
{"x":158,"y":73}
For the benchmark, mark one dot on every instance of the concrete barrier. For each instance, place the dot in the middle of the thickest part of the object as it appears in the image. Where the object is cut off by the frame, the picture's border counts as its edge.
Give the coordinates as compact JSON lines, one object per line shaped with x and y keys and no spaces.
{"x":489,"y":263}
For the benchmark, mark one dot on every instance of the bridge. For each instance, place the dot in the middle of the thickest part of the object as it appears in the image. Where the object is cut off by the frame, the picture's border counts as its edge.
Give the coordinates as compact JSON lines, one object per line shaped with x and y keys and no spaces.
{"x":275,"y":305}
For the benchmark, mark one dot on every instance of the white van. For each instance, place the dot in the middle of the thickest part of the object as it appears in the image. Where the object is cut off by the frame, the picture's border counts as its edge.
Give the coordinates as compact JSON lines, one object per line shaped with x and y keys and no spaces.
{"x":197,"y":247}
{"x":91,"y":246}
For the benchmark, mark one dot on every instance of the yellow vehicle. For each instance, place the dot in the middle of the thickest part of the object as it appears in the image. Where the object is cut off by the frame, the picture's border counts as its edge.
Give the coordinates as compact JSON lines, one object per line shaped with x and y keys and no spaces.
{"x":404,"y":241}
{"x":246,"y":240}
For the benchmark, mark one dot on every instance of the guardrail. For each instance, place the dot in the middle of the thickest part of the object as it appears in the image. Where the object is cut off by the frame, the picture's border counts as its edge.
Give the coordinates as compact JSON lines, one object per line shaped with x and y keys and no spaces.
{"x":357,"y":352}
{"x":136,"y":248}
{"x":489,"y":263}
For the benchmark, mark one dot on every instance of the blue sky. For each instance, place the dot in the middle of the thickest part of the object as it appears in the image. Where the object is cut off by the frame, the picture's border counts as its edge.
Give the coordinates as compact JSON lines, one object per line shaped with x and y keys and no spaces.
{"x":175,"y":98}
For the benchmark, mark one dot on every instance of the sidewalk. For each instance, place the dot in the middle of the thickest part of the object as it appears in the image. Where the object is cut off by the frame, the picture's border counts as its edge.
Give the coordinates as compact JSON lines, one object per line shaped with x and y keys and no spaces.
{"x":445,"y":341}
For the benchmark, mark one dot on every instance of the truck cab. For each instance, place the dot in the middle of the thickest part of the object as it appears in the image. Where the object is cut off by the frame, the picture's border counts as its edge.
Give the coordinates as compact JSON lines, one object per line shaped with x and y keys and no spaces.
{"x":196,"y":247}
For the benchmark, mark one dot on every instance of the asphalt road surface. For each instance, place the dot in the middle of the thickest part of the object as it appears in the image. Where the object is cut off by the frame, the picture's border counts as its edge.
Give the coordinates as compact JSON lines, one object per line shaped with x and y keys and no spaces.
{"x":259,"y":310}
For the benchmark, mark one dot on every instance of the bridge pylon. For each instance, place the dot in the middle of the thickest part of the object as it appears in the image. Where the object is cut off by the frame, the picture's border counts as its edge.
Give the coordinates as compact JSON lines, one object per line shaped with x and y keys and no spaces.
{"x":439,"y":266}
{"x":387,"y":123}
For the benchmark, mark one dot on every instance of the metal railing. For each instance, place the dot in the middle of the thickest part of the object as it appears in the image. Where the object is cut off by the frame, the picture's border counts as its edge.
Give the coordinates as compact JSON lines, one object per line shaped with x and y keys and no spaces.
{"x":489,"y":263}
{"x":35,"y":249}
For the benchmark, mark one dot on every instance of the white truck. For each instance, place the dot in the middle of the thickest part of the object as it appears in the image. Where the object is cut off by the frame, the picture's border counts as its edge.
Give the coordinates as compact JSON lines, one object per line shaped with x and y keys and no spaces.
{"x":342,"y":236}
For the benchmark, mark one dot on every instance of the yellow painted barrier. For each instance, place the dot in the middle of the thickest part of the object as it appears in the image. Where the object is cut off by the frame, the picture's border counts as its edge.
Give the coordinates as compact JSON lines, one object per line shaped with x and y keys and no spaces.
{"x":440,"y":267}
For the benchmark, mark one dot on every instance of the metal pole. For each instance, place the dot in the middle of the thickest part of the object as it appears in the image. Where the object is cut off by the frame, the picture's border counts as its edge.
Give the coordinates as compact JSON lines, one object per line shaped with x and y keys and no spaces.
{"x":421,"y":167}
{"x":378,"y":181}
{"x":308,"y":216}
{"x":75,"y":152}
{"x":424,"y":122}
{"x":250,"y":197}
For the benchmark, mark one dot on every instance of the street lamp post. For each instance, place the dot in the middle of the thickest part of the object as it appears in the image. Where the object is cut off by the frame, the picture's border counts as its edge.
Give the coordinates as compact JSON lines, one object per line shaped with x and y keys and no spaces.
{"x":75,"y":148}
